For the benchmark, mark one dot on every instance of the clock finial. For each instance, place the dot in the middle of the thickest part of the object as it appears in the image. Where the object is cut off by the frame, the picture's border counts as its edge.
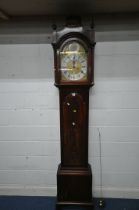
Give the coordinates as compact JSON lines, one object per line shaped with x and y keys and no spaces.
{"x":73,"y":21}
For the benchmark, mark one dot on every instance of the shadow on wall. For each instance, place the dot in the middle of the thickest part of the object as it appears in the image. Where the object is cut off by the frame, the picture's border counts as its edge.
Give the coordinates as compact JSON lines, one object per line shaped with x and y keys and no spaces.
{"x":26,"y":61}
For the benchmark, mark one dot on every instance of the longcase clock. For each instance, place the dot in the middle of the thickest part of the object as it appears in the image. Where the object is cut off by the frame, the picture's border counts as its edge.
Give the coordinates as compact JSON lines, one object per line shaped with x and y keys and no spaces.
{"x":73,"y":60}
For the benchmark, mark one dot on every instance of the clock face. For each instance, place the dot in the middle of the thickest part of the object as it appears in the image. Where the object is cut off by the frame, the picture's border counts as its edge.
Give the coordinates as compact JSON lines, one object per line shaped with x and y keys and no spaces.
{"x":73,"y":58}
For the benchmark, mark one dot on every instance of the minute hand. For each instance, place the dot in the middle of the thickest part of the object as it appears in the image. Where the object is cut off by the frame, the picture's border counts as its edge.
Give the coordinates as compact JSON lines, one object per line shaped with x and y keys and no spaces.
{"x":74,"y":62}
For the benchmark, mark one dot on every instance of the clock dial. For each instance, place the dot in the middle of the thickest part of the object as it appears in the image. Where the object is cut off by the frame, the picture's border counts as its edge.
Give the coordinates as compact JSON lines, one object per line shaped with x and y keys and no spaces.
{"x":73,"y":62}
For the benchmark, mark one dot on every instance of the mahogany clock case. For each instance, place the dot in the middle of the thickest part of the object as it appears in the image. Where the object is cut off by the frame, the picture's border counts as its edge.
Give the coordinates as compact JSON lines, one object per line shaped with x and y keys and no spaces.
{"x":74,"y":175}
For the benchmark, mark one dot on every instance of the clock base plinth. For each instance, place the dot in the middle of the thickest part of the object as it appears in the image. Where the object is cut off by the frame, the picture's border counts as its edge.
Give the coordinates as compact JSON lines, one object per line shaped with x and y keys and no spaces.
{"x":86,"y":206}
{"x":74,"y":187}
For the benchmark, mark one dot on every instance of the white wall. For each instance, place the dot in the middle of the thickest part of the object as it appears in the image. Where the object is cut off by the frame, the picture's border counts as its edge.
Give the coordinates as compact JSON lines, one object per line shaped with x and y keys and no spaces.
{"x":114,"y":110}
{"x":29,"y":120}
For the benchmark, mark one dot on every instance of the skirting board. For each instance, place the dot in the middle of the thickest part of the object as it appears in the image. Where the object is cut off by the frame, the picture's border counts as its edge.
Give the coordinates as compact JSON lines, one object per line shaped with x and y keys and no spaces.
{"x":132,"y":193}
{"x":113,"y":192}
{"x":27,"y":190}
